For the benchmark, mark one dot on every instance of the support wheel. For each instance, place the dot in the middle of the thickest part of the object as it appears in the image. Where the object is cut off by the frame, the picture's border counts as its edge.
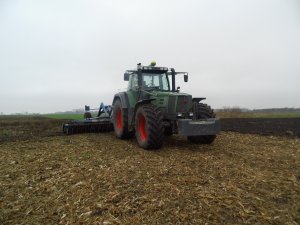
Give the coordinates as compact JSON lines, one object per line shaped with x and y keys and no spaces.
{"x":149,"y":129}
{"x":87,"y":115}
{"x":120,"y":120}
{"x":203,"y":112}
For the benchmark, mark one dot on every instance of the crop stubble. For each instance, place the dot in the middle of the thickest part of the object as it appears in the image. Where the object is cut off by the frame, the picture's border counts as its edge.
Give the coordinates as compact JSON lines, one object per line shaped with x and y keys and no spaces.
{"x":97,"y":179}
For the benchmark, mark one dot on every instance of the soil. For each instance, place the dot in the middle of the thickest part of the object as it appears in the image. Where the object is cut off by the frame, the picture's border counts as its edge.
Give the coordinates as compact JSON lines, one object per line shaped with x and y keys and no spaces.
{"x":50,"y":178}
{"x":271,"y":126}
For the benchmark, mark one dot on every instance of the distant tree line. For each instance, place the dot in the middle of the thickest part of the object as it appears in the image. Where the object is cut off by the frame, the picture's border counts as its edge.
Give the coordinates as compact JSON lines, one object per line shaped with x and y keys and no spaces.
{"x":237,"y":109}
{"x":233,"y":109}
{"x":277,"y":110}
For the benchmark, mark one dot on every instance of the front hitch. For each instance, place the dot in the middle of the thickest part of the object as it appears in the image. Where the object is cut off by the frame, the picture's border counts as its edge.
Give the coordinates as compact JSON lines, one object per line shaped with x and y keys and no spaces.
{"x":189,"y":127}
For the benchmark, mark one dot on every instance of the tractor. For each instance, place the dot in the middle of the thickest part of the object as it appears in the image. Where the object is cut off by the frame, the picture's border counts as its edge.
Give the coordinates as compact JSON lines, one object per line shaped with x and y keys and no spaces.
{"x":153,"y":108}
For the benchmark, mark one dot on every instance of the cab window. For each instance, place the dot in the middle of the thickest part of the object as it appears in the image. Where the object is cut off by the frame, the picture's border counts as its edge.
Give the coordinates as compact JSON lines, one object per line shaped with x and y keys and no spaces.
{"x":158,"y":81}
{"x":133,"y":82}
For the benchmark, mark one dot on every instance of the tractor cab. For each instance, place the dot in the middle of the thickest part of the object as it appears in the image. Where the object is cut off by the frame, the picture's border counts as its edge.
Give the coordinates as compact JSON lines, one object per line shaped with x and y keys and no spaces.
{"x":157,"y":84}
{"x":150,"y":78}
{"x":149,"y":82}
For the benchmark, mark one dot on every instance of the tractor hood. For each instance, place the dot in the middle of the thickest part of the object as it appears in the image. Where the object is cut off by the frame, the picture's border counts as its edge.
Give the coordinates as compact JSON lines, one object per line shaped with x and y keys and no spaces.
{"x":164,"y":93}
{"x":173,"y":102}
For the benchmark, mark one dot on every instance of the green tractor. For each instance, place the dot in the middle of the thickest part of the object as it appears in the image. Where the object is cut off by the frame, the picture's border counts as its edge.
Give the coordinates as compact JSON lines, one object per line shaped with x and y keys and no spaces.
{"x":153,"y":108}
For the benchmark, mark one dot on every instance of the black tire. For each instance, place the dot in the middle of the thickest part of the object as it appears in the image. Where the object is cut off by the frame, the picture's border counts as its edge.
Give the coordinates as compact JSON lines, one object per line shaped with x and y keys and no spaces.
{"x":168,"y":131}
{"x":204,"y":112}
{"x":149,"y":128}
{"x":120,"y":120}
{"x":66,"y":130}
{"x":87,"y":115}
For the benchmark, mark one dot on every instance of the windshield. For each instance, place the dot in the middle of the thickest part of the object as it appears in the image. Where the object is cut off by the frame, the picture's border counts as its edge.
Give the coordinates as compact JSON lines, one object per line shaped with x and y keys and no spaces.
{"x":156,"y":81}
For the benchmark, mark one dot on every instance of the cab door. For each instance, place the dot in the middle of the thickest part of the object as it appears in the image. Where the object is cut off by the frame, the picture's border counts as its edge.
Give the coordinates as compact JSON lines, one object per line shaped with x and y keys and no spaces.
{"x":132,"y":94}
{"x":132,"y":90}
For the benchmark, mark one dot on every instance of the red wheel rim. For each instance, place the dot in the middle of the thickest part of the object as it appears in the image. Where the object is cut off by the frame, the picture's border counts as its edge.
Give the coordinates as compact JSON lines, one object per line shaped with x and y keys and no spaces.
{"x":119,"y":119}
{"x":142,"y":127}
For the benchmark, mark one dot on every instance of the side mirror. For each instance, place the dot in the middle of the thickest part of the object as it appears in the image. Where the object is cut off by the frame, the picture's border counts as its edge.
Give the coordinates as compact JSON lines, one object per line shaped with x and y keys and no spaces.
{"x":186,"y":78}
{"x":126,"y":76}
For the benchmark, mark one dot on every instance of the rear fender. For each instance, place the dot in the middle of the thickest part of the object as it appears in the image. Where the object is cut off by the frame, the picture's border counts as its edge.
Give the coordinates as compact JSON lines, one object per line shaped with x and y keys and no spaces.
{"x":123,"y":98}
{"x":198,"y":99}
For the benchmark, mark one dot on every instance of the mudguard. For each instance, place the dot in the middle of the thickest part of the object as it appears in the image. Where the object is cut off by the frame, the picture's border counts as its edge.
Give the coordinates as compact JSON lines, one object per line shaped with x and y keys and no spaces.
{"x":198,"y":99}
{"x":124,"y":99}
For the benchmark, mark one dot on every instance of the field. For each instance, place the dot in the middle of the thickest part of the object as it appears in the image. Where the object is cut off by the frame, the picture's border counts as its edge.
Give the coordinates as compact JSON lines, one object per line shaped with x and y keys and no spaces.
{"x":232,"y":114}
{"x":264,"y":126}
{"x":49,"y":178}
{"x":74,"y":116}
{"x":77,"y":116}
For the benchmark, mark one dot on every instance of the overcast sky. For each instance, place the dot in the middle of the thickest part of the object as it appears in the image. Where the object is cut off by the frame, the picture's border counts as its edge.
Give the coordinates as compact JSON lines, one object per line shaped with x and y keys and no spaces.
{"x":61,"y":55}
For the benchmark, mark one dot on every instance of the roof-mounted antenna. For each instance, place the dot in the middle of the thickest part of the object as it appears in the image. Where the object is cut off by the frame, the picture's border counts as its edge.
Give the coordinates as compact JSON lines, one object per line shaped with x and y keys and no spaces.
{"x":139,"y":66}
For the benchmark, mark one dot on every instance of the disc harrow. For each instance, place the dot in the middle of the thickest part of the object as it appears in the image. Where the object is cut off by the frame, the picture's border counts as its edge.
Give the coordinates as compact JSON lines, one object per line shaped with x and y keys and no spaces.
{"x":100,"y":124}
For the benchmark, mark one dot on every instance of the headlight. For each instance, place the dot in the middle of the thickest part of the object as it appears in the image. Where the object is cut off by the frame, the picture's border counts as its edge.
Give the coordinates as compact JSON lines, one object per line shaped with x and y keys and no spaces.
{"x":191,"y":114}
{"x":179,"y":114}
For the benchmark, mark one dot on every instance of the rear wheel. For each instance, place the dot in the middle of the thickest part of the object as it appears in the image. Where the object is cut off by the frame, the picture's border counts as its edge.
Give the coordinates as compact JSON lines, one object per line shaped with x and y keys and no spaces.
{"x":120,"y":120}
{"x":149,"y":129}
{"x":203,"y":112}
{"x":168,"y":131}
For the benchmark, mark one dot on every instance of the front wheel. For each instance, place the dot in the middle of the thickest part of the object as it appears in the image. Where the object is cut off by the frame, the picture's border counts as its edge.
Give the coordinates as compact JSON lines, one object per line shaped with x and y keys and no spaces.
{"x":87,"y":115}
{"x":203,"y":112}
{"x":149,"y":129}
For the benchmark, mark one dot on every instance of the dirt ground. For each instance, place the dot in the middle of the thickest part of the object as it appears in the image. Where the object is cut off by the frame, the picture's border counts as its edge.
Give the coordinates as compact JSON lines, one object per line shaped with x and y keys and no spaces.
{"x":264,"y":126}
{"x":49,"y":178}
